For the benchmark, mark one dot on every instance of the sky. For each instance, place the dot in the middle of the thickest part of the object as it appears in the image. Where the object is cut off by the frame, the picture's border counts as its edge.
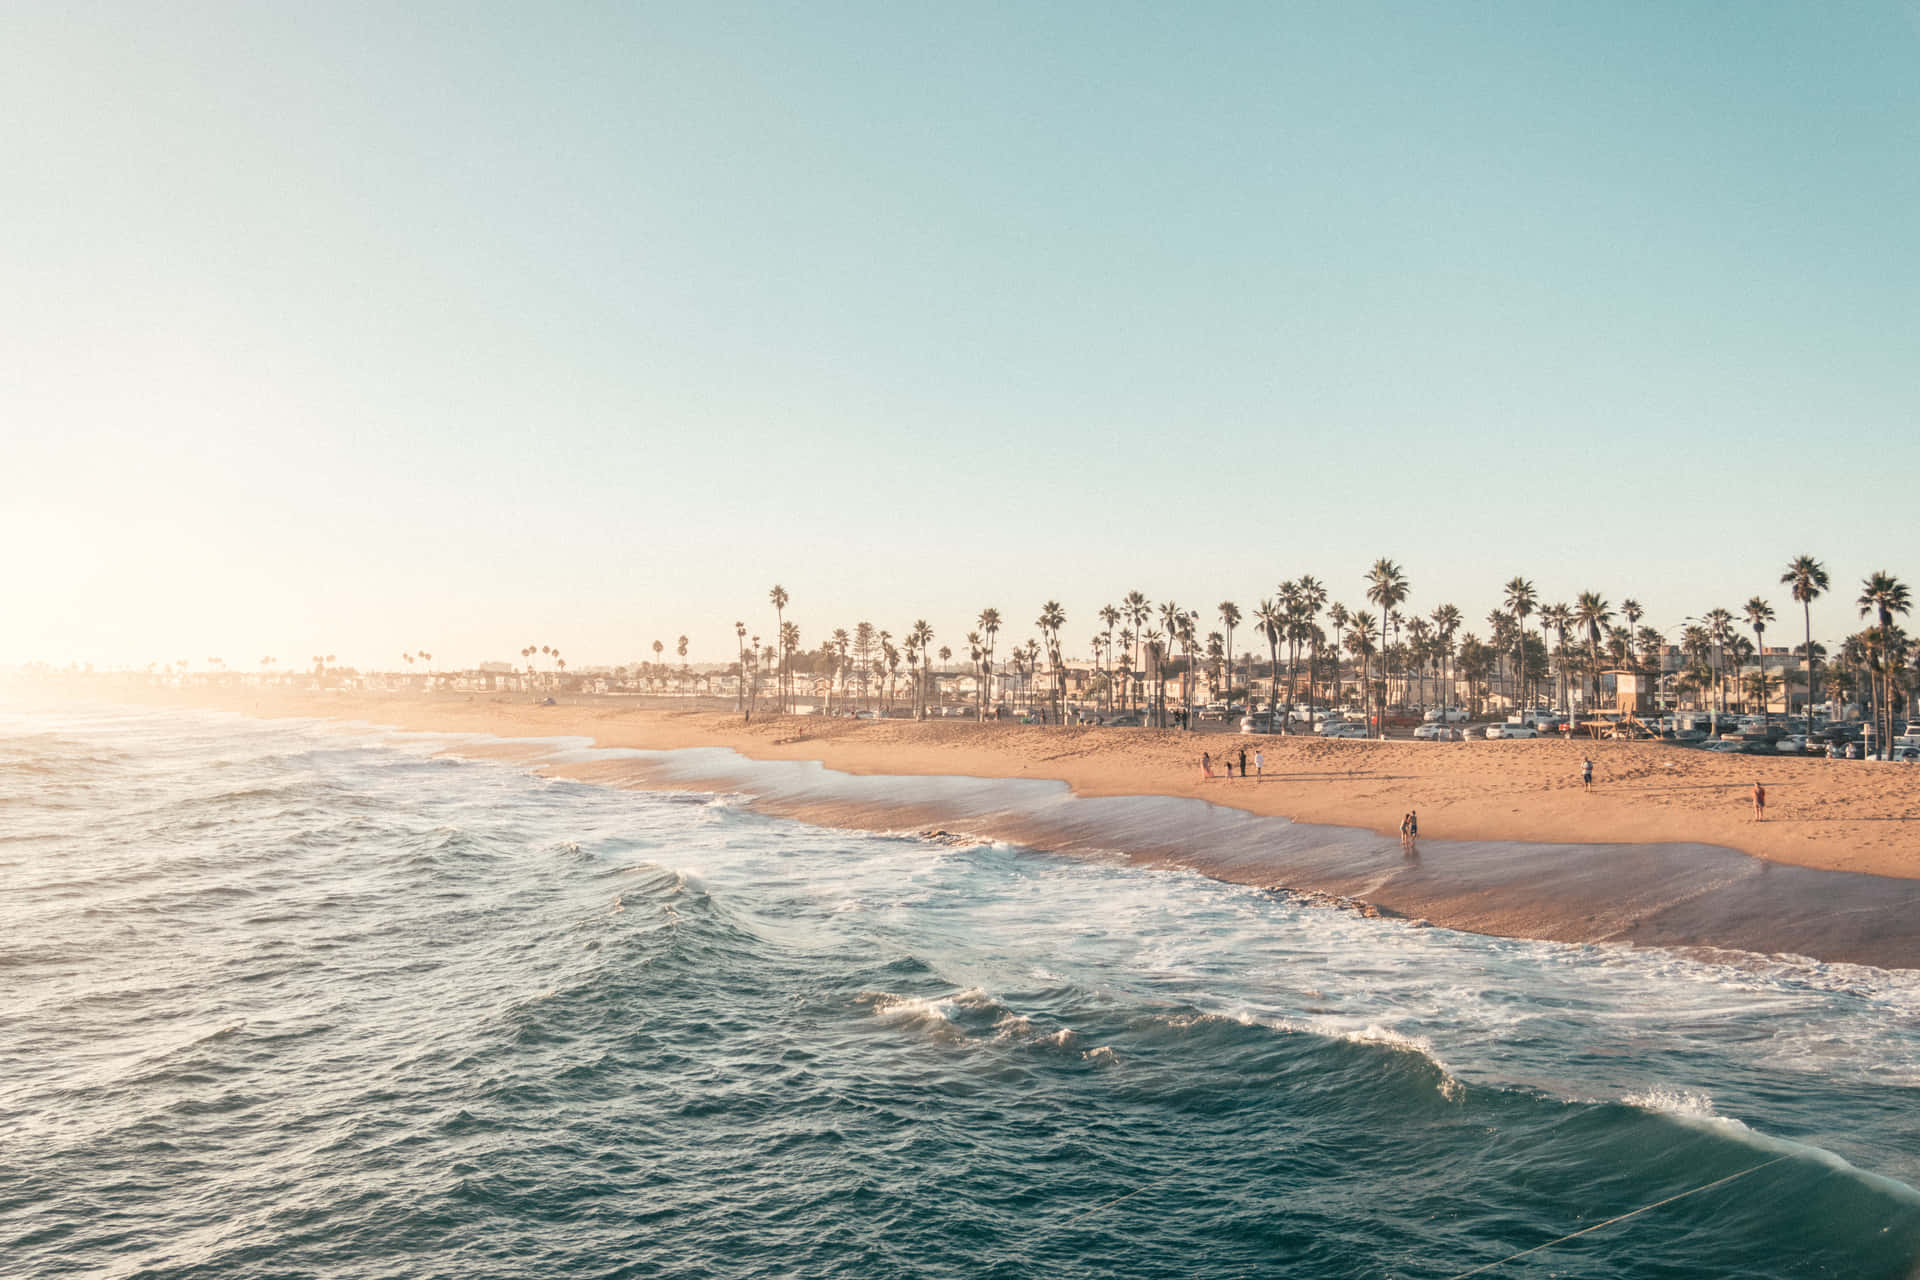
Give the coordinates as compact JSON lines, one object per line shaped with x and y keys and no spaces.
{"x":362,"y":329}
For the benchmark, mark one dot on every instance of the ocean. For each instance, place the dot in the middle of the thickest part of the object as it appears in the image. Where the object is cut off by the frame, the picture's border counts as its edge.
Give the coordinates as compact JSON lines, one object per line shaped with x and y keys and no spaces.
{"x":291,"y":999}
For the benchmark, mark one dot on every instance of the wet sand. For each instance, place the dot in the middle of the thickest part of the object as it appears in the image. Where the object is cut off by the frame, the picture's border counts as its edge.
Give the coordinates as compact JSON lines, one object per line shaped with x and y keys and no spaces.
{"x":1668,"y":873}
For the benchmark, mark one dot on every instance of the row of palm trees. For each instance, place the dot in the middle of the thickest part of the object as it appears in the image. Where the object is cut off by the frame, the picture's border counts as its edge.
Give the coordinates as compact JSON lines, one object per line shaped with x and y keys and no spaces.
{"x":1386,"y":645}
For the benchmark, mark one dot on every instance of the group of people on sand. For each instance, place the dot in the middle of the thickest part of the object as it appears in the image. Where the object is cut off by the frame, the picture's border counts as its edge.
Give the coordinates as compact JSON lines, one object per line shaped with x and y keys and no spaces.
{"x":1227,"y":761}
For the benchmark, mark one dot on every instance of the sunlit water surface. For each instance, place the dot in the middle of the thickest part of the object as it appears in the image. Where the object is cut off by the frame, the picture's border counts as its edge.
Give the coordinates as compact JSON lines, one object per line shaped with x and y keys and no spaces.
{"x":285,"y":1000}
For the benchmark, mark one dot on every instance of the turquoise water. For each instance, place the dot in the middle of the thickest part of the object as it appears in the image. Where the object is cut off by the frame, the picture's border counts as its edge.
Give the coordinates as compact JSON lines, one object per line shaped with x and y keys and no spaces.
{"x":285,"y":1000}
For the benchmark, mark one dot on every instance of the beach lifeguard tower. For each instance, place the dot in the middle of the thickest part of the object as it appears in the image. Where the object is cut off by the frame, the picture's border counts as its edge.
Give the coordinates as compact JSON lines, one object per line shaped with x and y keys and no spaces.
{"x":1636,"y":693}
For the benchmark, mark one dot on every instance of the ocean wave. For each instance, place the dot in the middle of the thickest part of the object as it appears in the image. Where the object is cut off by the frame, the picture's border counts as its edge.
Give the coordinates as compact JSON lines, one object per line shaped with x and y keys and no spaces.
{"x":1694,"y":1109}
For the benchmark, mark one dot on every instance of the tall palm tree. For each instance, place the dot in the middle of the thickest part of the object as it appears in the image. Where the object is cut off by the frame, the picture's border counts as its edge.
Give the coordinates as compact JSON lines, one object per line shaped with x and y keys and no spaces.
{"x":1720,"y":631}
{"x":1137,"y":610}
{"x":1312,"y":594}
{"x":1884,"y":595}
{"x":1387,"y":588}
{"x":740,"y":643}
{"x":1593,"y":612}
{"x":921,"y":636}
{"x":1363,"y":641}
{"x":1170,"y":615}
{"x":989,"y":624}
{"x":1185,"y":632}
{"x":1338,"y":616}
{"x":1559,"y":617}
{"x":1052,"y":618}
{"x":1270,"y":620}
{"x":1504,"y":636}
{"x":1520,"y":599}
{"x":1759,"y":614}
{"x":976,"y":649}
{"x":842,"y":646}
{"x":789,"y":645}
{"x":779,"y":598}
{"x":1446,"y":621}
{"x":1230,"y":615}
{"x":1808,"y":580}
{"x":1111,"y":617}
{"x":1420,"y":644}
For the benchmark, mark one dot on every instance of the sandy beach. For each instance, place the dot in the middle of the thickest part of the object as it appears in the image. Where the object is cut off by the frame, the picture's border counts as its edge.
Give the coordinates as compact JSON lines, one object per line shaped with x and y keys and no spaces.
{"x":1829,"y":815}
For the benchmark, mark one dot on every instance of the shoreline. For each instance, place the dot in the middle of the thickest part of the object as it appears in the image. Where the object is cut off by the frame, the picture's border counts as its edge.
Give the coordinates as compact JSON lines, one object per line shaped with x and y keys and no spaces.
{"x":1856,"y":816}
{"x":1070,"y":790}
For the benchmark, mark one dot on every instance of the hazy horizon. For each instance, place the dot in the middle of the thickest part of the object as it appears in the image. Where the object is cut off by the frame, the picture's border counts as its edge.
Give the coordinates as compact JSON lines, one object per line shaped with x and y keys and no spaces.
{"x":359,"y":330}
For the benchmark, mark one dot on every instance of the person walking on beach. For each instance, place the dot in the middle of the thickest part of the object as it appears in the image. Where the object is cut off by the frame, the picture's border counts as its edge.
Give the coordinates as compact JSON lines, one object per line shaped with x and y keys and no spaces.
{"x":1409,"y":831}
{"x":1243,"y":764}
{"x":1259,"y":764}
{"x":1586,"y":774}
{"x":1206,"y":763}
{"x":1759,"y":803}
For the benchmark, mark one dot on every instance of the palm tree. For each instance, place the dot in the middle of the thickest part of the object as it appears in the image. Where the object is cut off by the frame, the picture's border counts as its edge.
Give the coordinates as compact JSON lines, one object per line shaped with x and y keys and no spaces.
{"x":1270,"y":620}
{"x":789,"y":645}
{"x":1759,"y":614}
{"x":1363,"y":637}
{"x":1170,"y":615}
{"x":1230,"y":615}
{"x":976,"y":649}
{"x":740,"y":645}
{"x":1137,"y":609}
{"x":1420,"y":644}
{"x":1884,"y":595}
{"x":1808,"y":580}
{"x":988,"y":622}
{"x":1387,"y":588}
{"x":1312,"y":595}
{"x":779,"y":598}
{"x":921,"y":637}
{"x":1446,"y":621}
{"x":1593,"y":613}
{"x":1559,"y":617}
{"x":1052,"y":618}
{"x":1338,"y":616}
{"x":658,"y":647}
{"x":1720,"y":631}
{"x":1110,"y":616}
{"x":1505,"y":636}
{"x":1520,"y":599}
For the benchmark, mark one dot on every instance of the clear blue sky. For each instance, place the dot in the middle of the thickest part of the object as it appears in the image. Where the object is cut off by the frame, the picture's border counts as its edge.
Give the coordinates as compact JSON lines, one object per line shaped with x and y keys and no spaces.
{"x":361,"y":328}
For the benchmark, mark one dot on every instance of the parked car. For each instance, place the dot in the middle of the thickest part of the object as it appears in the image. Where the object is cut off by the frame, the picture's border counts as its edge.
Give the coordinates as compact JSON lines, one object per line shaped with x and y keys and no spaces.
{"x":1124,"y":722}
{"x":1511,"y":730}
{"x":1433,"y":731}
{"x":1446,"y":715}
{"x":1543,"y":720}
{"x":1342,"y":729}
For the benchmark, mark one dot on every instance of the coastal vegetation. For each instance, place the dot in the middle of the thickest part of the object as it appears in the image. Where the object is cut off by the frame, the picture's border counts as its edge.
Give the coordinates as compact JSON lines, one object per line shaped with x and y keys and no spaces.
{"x":1151,"y":662}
